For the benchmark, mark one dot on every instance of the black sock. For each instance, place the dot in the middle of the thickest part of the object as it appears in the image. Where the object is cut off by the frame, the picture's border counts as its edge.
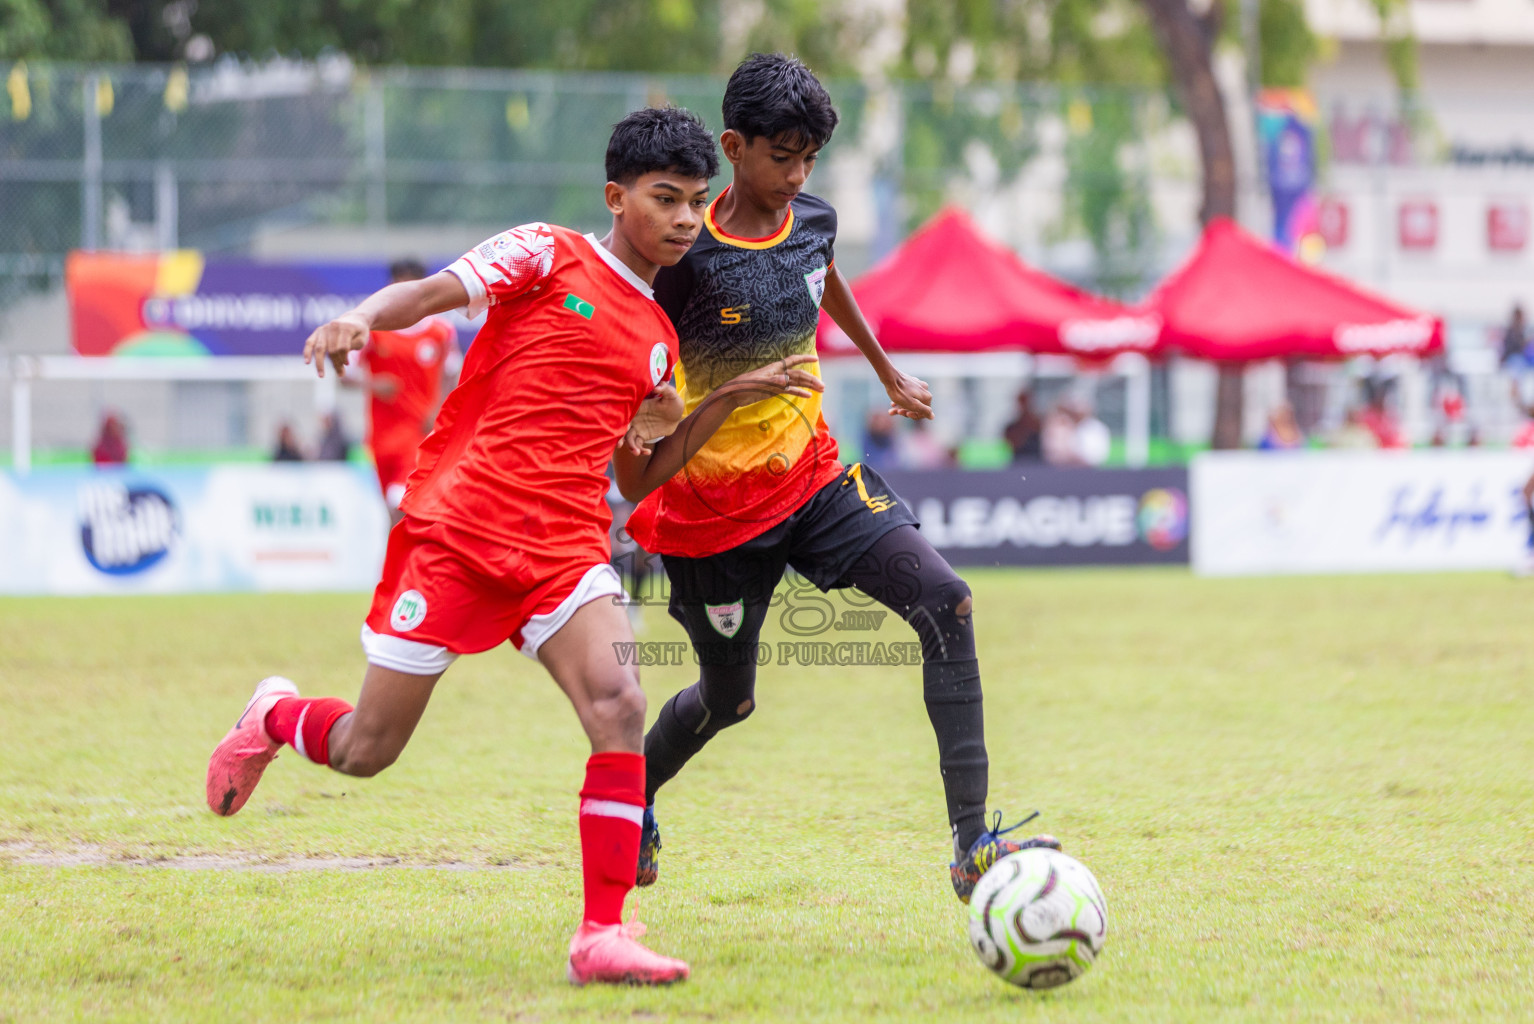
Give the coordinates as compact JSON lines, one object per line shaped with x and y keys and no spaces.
{"x":902,"y":572}
{"x":952,"y":693}
{"x":673,"y":739}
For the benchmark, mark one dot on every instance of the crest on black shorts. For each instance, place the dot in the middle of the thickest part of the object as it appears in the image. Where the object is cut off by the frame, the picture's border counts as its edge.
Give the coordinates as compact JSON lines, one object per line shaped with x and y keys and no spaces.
{"x":726,"y":618}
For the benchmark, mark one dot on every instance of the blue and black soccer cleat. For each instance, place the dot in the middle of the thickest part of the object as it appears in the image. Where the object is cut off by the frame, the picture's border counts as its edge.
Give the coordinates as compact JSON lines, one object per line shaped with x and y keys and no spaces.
{"x":965,"y":871}
{"x":649,"y":850}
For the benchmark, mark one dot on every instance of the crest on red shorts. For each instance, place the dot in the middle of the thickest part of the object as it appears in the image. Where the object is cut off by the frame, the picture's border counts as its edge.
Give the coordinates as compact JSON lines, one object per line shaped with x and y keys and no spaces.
{"x":409,"y":612}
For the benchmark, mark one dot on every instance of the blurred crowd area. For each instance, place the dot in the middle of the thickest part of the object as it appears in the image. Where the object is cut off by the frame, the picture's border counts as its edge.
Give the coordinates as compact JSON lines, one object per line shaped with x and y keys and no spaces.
{"x":323,"y":160}
{"x":1057,"y":421}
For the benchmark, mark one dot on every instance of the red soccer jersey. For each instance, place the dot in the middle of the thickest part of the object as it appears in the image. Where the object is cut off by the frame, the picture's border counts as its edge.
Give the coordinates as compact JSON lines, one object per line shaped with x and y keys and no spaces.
{"x":413,"y":358}
{"x":573,"y":344}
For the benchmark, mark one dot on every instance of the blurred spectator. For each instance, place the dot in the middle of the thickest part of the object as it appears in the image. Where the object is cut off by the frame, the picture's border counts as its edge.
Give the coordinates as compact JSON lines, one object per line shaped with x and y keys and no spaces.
{"x":1094,"y":441}
{"x":1354,"y":433}
{"x":334,"y":445}
{"x":111,"y":443}
{"x":1057,"y":437}
{"x":1072,"y":436}
{"x":1282,"y":433}
{"x":1515,"y":340}
{"x":879,"y":441}
{"x":1524,"y":436}
{"x":287,"y":446}
{"x":1025,"y":433}
{"x":1382,"y":423}
{"x":916,"y":448}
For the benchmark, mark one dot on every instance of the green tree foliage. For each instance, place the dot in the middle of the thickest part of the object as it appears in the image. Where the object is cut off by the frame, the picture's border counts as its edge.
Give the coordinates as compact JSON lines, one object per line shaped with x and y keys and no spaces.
{"x":1091,"y":53}
{"x":62,"y":29}
{"x":1288,"y":45}
{"x":676,"y":36}
{"x":1400,"y":42}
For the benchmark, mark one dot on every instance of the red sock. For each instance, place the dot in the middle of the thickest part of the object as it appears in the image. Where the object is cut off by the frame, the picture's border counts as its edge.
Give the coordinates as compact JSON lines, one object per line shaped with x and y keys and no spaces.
{"x":612,"y":807}
{"x":303,"y":723}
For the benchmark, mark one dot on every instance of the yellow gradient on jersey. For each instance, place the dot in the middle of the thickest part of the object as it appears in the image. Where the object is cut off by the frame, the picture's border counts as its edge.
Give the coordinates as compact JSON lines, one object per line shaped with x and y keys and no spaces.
{"x":753,"y":435}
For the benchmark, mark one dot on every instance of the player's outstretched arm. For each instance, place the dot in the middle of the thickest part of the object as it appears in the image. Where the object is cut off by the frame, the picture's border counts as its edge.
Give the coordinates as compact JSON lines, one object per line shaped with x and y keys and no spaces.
{"x":638,"y":473}
{"x":391,"y":308}
{"x":659,"y":415}
{"x":909,"y":396}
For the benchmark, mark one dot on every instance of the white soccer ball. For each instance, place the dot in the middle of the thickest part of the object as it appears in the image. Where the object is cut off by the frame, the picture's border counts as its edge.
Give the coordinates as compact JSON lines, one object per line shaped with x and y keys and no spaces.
{"x":1038,"y":918}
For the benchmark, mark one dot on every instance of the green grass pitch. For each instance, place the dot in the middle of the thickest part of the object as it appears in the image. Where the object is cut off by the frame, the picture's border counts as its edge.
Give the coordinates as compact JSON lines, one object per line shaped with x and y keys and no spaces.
{"x":1306,"y":800}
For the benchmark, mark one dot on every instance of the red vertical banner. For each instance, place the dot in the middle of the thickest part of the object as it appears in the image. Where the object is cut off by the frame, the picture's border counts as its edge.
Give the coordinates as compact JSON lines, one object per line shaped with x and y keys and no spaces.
{"x":1507,"y":225}
{"x":1417,"y":224}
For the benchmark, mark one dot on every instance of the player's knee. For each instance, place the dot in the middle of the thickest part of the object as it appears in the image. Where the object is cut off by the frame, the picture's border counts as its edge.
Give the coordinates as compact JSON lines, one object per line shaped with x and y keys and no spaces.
{"x":618,"y":700}
{"x":734,"y":714}
{"x":943,"y":620}
{"x":726,"y":696}
{"x":950,"y":604}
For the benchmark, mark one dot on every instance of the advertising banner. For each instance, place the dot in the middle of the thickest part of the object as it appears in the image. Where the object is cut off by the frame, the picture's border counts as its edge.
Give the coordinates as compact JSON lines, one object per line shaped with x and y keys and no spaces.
{"x":1323,"y":512}
{"x":1286,"y":125}
{"x":1043,"y":515}
{"x":223,"y":528}
{"x":180,"y":304}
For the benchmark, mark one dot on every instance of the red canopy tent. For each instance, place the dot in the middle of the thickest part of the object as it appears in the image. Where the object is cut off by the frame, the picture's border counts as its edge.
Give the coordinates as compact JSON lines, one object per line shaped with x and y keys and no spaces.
{"x":950,"y":289}
{"x":1239,"y":299}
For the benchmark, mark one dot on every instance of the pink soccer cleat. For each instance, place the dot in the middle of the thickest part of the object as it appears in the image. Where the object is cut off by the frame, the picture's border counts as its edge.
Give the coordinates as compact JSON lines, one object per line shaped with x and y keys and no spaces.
{"x":608,"y":954}
{"x":243,"y":754}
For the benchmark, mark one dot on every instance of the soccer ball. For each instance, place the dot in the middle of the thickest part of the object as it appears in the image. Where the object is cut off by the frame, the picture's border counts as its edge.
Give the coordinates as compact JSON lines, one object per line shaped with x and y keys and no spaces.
{"x":1037,"y":918}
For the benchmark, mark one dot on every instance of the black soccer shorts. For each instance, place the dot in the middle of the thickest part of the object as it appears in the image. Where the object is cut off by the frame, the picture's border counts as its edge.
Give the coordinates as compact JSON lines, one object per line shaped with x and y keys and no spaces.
{"x":723,"y":599}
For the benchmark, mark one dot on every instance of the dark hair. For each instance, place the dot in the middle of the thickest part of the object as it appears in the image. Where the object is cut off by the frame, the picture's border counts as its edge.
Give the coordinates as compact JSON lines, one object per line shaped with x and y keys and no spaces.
{"x":407,"y":270}
{"x":660,"y":139}
{"x":774,"y":96}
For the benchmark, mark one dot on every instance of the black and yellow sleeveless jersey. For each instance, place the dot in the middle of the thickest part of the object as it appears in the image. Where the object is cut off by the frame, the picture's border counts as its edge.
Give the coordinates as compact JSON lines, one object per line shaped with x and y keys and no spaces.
{"x":739,"y":304}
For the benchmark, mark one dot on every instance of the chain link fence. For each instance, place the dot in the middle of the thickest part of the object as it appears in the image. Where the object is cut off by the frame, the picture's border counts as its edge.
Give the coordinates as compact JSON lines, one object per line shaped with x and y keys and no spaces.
{"x":150,"y":157}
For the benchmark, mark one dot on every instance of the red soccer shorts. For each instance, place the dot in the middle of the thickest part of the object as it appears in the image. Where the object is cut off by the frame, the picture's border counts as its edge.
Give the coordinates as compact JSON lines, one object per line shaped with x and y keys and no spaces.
{"x":442,"y":595}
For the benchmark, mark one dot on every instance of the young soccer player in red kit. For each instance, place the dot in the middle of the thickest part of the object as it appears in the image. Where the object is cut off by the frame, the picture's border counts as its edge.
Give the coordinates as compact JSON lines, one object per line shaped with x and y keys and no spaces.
{"x":504,"y":534}
{"x":405,"y":370}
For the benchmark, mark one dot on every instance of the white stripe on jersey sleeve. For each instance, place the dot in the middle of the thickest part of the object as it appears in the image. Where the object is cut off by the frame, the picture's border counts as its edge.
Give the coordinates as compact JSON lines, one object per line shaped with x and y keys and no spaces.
{"x":505,"y":266}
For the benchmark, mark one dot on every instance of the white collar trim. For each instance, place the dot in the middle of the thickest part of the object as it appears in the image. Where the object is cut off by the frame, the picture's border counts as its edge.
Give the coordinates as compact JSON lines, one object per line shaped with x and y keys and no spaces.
{"x":620,"y":268}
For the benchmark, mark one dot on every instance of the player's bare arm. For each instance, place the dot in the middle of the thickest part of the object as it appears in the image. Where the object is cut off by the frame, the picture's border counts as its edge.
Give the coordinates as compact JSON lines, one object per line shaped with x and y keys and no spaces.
{"x":638,"y":475}
{"x":391,"y":308}
{"x":909,"y":396}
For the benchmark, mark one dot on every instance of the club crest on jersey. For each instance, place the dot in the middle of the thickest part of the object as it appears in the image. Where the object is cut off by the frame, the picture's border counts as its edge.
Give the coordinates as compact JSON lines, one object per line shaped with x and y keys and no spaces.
{"x":726,"y":618}
{"x":409,"y":612}
{"x":815,"y":280}
{"x":660,"y":363}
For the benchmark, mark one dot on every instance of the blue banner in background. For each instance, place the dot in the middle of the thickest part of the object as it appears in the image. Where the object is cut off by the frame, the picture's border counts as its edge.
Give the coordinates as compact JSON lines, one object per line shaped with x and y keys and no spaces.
{"x":181,"y":304}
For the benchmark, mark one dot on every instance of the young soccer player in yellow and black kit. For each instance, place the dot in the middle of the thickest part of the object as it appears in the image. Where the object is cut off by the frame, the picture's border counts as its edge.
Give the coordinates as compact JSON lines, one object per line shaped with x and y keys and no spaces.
{"x":768,"y":489}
